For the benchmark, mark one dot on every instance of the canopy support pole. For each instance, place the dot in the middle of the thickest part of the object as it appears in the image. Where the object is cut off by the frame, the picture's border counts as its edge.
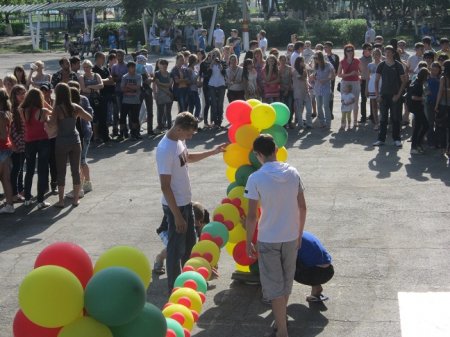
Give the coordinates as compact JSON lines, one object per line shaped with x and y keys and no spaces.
{"x":93,"y":23}
{"x":213,"y":23}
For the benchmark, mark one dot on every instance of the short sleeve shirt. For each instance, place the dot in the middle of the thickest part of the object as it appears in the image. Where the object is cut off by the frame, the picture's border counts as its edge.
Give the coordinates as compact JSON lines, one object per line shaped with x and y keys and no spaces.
{"x":276,"y":185}
{"x":219,"y":35}
{"x":132,"y":97}
{"x":390,"y":77}
{"x":172,"y":159}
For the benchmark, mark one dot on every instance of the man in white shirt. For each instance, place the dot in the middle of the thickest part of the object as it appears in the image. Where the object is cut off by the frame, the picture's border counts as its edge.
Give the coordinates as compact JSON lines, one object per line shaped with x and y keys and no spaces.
{"x":219,"y":37}
{"x":298,"y":50}
{"x":172,"y":158}
{"x":279,"y":189}
{"x":369,"y":37}
{"x":262,"y":41}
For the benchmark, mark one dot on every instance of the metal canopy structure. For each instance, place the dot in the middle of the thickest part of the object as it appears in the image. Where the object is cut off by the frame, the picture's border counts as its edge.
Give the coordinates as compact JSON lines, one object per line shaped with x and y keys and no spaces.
{"x":101,"y":4}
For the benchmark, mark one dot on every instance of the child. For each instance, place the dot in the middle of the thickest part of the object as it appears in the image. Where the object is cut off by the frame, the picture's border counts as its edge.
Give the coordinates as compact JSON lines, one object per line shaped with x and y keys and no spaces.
{"x":5,"y":151}
{"x":201,"y":216}
{"x":301,"y":93}
{"x":313,"y":266}
{"x":194,"y":84}
{"x":370,"y":90}
{"x":347,"y":100}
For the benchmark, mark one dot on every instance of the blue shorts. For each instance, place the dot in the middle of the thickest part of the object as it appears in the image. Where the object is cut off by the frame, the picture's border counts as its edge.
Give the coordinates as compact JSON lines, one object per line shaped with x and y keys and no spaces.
{"x":85,"y":147}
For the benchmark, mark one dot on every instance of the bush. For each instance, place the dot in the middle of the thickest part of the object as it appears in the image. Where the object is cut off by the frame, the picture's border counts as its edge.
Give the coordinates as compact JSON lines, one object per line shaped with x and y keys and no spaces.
{"x":18,"y":28}
{"x":101,"y":30}
{"x":135,"y":31}
{"x":2,"y":29}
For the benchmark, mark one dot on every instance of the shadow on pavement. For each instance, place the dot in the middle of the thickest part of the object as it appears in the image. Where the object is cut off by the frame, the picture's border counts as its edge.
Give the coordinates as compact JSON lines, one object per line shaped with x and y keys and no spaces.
{"x":385,"y":162}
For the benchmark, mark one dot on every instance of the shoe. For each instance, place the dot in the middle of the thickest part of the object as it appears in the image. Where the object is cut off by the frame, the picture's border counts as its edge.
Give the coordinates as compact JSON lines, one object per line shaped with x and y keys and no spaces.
{"x":318,"y":298}
{"x":42,"y":205}
{"x":398,"y":143}
{"x":87,"y":187}
{"x":378,"y":143}
{"x":414,"y":151}
{"x":18,"y":199}
{"x":7,"y":209}
{"x":70,"y":194}
{"x":362,"y":121}
{"x":27,"y":203}
{"x":119,"y":138}
{"x":314,"y":114}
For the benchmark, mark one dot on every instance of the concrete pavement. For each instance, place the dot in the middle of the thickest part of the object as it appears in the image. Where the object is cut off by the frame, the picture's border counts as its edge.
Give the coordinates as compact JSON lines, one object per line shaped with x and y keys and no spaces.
{"x":382,"y":214}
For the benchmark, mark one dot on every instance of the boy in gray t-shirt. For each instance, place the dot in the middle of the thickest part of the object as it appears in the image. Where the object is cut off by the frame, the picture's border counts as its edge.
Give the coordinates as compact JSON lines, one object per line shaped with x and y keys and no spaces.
{"x":131,"y":87}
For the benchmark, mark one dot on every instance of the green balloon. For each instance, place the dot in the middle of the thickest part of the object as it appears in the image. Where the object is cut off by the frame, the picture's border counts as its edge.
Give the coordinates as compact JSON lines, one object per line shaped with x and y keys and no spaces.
{"x":243,"y":173}
{"x":255,"y":162}
{"x":149,"y":320}
{"x":278,"y":133}
{"x":202,"y":286}
{"x":175,"y":327}
{"x":217,"y":229}
{"x":231,"y":186}
{"x":282,"y":113}
{"x":114,"y":296}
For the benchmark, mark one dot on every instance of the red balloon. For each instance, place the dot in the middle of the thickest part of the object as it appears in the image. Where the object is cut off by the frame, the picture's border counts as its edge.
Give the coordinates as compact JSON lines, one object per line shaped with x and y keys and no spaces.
{"x":238,"y":112}
{"x":240,"y":254}
{"x":23,"y":327}
{"x":70,"y":256}
{"x":232,"y":133}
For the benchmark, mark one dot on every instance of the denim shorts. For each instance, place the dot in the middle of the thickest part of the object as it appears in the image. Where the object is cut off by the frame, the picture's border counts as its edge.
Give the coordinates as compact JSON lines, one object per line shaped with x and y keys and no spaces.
{"x":5,"y":154}
{"x":85,"y":147}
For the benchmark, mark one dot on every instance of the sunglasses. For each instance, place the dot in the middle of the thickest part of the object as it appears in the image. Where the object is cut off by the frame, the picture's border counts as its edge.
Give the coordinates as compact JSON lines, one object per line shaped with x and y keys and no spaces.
{"x":349,"y":50}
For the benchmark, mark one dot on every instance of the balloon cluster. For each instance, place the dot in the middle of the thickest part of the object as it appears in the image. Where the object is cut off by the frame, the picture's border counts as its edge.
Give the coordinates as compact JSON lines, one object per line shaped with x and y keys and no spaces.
{"x":65,"y":295}
{"x":248,"y":120}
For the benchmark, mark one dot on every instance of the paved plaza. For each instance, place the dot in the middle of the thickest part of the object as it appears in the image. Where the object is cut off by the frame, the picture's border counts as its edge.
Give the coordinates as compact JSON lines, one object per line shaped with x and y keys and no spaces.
{"x":383,"y":215}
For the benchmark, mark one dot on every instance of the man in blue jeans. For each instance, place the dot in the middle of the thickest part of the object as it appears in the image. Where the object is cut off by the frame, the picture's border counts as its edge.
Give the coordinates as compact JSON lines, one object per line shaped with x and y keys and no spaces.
{"x":172,"y":158}
{"x":393,"y":82}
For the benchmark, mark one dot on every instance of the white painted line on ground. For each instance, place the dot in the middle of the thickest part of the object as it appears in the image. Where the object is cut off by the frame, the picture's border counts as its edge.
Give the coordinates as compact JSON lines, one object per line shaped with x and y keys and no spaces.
{"x":424,"y":314}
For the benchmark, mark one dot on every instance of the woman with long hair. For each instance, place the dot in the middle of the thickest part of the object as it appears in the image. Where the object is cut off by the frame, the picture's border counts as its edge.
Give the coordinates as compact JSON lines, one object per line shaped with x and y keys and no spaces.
{"x":34,"y":116}
{"x":285,"y":70}
{"x":442,"y":109}
{"x":163,"y":96}
{"x":17,"y":134}
{"x":19,"y":73}
{"x":258,"y":63}
{"x":349,"y":70}
{"x":68,"y":143}
{"x":234,"y":80}
{"x":249,"y":76}
{"x":271,"y":80}
{"x":370,"y":86}
{"x":217,"y":71}
{"x":302,"y":97}
{"x":5,"y":152}
{"x":418,"y":109}
{"x":324,"y":74}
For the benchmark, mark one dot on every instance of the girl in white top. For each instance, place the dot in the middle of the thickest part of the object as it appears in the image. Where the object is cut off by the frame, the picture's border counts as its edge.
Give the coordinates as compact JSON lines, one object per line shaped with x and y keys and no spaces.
{"x":249,"y":76}
{"x":302,"y":98}
{"x":370,"y":86}
{"x":37,"y":76}
{"x":347,"y":101}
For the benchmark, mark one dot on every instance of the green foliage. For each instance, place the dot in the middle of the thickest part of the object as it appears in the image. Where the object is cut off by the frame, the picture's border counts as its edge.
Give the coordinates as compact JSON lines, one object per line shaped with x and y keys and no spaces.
{"x":135,"y":31}
{"x":101,"y":30}
{"x":2,"y":29}
{"x":18,"y":28}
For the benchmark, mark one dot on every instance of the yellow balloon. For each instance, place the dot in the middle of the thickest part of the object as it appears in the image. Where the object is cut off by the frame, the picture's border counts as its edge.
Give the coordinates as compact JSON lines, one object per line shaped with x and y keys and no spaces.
{"x":246,"y":135}
{"x":237,"y":234}
{"x":193,"y":296}
{"x":85,"y":326}
{"x":51,"y":296}
{"x":208,"y":250}
{"x":172,"y":309}
{"x":198,"y":262}
{"x":229,"y":248}
{"x":253,"y":102}
{"x":243,"y":269}
{"x":127,"y":257}
{"x":238,"y":192}
{"x":236,"y":156}
{"x":263,"y":116}
{"x":229,"y":212}
{"x":230,"y":173}
{"x":282,"y":154}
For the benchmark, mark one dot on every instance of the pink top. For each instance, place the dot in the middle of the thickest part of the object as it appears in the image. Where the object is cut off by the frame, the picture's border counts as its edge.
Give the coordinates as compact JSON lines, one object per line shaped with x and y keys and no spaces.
{"x":34,"y":128}
{"x":349,"y":67}
{"x":270,"y":90}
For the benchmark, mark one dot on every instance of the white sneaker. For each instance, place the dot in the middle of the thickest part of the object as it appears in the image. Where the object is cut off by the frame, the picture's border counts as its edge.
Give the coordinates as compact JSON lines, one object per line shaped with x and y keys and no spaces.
{"x":87,"y":186}
{"x":42,"y":205}
{"x":27,"y":203}
{"x":378,"y":143}
{"x":7,"y":209}
{"x":70,"y":194}
{"x":398,"y":143}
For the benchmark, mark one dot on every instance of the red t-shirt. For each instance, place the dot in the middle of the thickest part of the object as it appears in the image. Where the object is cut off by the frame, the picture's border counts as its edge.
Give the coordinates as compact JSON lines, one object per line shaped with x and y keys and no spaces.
{"x":34,"y":128}
{"x":349,"y":67}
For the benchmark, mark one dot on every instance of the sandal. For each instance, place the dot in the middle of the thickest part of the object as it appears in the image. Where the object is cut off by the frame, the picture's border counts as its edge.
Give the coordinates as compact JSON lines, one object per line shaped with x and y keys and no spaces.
{"x":59,"y":205}
{"x":319,"y":298}
{"x":158,"y":268}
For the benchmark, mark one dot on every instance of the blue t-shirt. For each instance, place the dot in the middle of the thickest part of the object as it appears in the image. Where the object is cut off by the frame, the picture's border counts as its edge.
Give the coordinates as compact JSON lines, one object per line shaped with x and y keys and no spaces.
{"x":433,"y":87}
{"x":312,"y":252}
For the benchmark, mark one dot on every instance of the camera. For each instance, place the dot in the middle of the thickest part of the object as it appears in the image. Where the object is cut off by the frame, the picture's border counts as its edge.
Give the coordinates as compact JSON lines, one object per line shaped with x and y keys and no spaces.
{"x":217,"y":60}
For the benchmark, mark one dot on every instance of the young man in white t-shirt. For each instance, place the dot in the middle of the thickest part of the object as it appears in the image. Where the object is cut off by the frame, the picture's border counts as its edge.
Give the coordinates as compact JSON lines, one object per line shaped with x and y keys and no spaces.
{"x":262,"y":41}
{"x":172,"y":158}
{"x":279,"y":189}
{"x":219,"y":37}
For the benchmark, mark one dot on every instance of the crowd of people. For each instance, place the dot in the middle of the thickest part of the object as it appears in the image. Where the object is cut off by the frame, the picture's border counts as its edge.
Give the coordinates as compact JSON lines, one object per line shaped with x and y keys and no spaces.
{"x":119,"y":96}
